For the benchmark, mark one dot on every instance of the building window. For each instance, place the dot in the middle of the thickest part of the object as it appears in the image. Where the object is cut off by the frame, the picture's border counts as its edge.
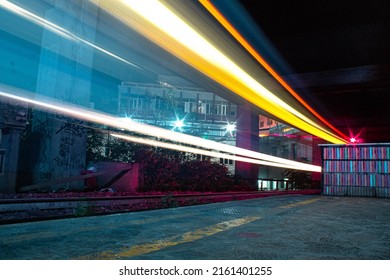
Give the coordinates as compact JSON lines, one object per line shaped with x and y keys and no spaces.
{"x":221,"y":109}
{"x":189,"y":107}
{"x":233,"y":110}
{"x":225,"y":161}
{"x":136,"y":103}
{"x":285,"y":151}
{"x":294,"y":151}
{"x":205,"y":108}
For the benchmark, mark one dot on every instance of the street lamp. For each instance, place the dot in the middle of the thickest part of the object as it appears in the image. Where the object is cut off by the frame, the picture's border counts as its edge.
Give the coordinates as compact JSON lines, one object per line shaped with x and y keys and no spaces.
{"x":178,"y":124}
{"x":230,"y":128}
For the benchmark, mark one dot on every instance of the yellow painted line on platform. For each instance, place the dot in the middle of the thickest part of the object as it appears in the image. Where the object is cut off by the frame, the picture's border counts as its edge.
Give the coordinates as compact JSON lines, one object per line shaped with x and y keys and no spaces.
{"x":173,"y":241}
{"x":305,"y":202}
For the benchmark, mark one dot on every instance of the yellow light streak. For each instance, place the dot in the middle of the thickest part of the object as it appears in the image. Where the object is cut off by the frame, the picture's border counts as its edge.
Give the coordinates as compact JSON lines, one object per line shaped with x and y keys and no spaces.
{"x":129,"y":125}
{"x":248,"y":92}
{"x":156,"y":22}
{"x":169,"y":23}
{"x":233,"y":31}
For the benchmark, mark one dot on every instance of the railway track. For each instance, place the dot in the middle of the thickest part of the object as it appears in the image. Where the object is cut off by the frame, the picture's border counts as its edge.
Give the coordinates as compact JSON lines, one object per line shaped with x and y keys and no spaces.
{"x":15,"y":210}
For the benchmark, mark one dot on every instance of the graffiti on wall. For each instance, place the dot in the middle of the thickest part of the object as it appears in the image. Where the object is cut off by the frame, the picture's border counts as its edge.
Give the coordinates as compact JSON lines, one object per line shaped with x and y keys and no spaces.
{"x":62,"y":144}
{"x":41,"y":134}
{"x":71,"y":148}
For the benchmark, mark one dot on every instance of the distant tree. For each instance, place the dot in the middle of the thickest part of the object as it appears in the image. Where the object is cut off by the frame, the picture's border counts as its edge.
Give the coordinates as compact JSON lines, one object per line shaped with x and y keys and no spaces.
{"x":204,"y":176}
{"x":299,"y":179}
{"x":161,"y":170}
{"x":101,"y":146}
{"x":96,"y":142}
{"x":158,"y":171}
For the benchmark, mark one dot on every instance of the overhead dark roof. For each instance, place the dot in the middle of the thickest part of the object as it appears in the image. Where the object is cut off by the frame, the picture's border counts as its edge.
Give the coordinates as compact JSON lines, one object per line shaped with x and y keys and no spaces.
{"x":338,"y":58}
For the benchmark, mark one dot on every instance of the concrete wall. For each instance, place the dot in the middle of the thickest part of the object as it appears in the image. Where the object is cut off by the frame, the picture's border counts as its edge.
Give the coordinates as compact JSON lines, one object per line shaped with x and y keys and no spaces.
{"x":9,"y":152}
{"x":65,"y":73}
{"x":127,"y":183}
{"x":247,"y":137}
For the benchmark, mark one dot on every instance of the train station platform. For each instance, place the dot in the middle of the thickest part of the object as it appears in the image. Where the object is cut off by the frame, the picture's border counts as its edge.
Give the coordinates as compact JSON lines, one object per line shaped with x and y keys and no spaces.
{"x":290,"y":227}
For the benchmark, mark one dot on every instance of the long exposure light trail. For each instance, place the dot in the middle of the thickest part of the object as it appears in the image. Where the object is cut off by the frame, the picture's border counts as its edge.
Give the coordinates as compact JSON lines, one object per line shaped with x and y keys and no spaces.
{"x":172,"y":25}
{"x":156,"y":22}
{"x":233,"y":31}
{"x":58,"y":29}
{"x":192,"y":150}
{"x":128,"y":125}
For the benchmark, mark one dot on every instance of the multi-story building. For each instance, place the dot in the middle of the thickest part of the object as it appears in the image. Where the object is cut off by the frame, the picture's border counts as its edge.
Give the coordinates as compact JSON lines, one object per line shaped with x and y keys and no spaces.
{"x":278,"y":139}
{"x":190,"y":110}
{"x":197,"y":112}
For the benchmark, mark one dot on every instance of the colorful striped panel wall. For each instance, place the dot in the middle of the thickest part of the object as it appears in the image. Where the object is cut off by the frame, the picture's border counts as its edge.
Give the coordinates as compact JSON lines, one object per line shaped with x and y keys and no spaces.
{"x":356,"y":170}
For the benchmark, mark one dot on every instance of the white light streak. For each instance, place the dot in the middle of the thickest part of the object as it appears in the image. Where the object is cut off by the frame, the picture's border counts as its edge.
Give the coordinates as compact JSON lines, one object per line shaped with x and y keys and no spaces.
{"x":187,"y":149}
{"x":129,"y":125}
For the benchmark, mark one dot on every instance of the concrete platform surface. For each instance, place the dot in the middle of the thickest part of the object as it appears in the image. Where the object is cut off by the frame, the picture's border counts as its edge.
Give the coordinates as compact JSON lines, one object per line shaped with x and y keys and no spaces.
{"x":291,"y":227}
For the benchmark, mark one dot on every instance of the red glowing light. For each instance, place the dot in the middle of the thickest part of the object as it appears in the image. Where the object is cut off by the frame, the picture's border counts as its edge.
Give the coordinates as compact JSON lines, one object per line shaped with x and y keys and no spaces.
{"x":353,"y":140}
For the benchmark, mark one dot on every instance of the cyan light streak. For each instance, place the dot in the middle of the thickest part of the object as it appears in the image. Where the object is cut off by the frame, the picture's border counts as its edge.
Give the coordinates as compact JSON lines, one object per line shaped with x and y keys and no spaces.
{"x":173,"y":26}
{"x":59,"y":30}
{"x":96,"y":117}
